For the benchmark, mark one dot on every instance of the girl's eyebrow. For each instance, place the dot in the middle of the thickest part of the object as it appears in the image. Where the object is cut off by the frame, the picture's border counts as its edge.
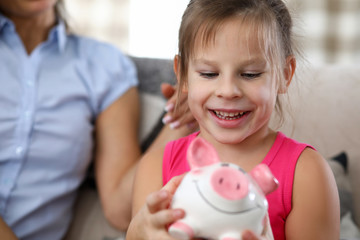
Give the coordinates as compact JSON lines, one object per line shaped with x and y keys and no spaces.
{"x":256,"y":60}
{"x":204,"y":61}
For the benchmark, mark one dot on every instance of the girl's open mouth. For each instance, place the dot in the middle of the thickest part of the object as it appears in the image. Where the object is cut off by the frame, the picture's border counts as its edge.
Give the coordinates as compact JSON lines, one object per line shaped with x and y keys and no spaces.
{"x":229,"y":115}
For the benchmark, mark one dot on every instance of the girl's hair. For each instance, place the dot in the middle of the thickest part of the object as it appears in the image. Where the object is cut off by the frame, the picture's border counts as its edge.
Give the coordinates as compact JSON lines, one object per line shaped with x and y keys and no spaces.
{"x":269,"y":20}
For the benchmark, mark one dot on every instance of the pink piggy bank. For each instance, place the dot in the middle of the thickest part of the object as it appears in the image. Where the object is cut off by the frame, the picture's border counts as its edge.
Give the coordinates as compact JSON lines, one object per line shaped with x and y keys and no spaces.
{"x":220,"y":199}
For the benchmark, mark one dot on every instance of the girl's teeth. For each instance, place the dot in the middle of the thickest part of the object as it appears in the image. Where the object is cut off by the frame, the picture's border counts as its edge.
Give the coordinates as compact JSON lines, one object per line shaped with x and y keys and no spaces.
{"x":229,"y":116}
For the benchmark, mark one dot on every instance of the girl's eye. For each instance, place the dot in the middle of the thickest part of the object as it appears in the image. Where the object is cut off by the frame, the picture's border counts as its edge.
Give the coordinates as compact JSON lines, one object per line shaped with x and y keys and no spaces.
{"x":208,"y":74}
{"x":251,"y":75}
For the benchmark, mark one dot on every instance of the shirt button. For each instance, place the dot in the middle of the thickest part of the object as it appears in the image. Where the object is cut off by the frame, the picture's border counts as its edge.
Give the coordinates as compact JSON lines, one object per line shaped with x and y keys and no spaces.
{"x":19,"y":150}
{"x":6,"y":182}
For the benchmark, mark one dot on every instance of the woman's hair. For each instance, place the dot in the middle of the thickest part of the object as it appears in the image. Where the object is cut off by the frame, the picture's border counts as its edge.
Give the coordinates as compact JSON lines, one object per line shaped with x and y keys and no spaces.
{"x":61,"y":13}
{"x":269,"y":20}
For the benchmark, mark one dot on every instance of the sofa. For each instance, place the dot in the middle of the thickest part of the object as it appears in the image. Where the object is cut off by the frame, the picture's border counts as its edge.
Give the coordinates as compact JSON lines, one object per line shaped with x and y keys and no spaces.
{"x":324,"y":112}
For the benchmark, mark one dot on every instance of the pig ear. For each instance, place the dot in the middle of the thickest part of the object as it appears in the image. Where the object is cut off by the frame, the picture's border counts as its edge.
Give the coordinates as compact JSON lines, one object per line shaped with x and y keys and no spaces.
{"x":201,"y":153}
{"x":264,"y":178}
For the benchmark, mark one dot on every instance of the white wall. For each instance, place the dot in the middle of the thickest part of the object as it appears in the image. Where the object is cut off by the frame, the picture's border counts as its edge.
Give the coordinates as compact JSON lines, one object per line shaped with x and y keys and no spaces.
{"x":153,"y":27}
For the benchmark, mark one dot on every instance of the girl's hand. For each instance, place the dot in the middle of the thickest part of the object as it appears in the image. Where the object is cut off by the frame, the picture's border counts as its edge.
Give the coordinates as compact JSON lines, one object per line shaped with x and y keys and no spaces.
{"x":152,"y":220}
{"x":182,"y":116}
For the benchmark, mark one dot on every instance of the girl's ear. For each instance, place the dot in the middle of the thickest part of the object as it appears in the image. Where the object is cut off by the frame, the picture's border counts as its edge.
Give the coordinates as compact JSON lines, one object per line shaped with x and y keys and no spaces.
{"x":289,"y":71}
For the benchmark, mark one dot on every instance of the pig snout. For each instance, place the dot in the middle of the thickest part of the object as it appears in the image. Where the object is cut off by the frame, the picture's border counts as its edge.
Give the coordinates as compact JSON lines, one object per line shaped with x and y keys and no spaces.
{"x":229,"y":183}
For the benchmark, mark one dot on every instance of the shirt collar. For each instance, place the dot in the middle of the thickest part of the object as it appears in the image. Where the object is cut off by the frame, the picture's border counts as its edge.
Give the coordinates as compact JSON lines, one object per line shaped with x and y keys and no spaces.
{"x":58,"y":34}
{"x":4,"y":21}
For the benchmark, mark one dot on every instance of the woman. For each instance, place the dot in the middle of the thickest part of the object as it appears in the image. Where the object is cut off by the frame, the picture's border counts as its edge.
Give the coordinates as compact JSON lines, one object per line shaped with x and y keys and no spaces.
{"x":63,"y":95}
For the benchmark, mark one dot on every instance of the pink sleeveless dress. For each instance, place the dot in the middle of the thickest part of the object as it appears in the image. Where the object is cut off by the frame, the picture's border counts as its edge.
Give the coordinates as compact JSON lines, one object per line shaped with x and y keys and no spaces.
{"x":281,"y":159}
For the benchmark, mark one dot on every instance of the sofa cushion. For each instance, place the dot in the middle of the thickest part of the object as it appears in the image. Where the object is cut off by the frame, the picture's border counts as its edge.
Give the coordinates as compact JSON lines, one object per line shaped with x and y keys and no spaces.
{"x":152,"y":72}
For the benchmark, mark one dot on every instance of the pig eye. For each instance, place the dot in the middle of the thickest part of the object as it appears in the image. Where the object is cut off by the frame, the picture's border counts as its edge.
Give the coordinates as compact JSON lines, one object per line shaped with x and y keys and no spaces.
{"x":241,"y":170}
{"x":224,"y":164}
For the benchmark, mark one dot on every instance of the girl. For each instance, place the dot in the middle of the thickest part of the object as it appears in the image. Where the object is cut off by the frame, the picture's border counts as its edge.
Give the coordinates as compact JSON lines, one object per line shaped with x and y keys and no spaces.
{"x":235,"y":58}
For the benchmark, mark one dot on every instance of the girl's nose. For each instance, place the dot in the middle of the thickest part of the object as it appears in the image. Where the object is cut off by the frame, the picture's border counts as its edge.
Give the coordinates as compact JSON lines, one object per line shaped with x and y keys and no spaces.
{"x":228,"y":87}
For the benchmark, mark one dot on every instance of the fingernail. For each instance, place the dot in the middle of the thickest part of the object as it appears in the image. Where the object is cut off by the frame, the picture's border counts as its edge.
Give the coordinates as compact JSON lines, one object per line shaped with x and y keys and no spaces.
{"x":166,"y":119}
{"x":177,"y":213}
{"x":163,"y":194}
{"x":169,"y":107}
{"x":174,"y":125}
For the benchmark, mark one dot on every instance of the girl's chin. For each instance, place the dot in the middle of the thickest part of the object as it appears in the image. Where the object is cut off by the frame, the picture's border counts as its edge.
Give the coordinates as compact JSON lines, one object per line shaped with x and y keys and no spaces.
{"x":227,"y":137}
{"x":230,"y":141}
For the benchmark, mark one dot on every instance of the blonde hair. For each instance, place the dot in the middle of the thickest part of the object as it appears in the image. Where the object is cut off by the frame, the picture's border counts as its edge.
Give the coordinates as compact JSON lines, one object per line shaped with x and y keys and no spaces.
{"x":270,"y":20}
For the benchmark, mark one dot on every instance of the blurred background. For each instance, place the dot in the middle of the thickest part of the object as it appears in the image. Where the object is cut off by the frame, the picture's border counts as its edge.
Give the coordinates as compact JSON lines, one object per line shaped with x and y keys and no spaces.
{"x":329,"y":30}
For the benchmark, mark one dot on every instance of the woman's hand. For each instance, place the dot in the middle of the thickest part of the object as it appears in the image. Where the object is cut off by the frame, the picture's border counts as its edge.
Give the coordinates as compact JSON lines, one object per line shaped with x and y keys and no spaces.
{"x":6,"y":232}
{"x":182,"y":116}
{"x":153,"y":218}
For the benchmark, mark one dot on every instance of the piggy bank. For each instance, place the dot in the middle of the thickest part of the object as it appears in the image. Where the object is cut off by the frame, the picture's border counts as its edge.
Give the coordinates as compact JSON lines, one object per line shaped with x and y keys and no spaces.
{"x":220,"y":199}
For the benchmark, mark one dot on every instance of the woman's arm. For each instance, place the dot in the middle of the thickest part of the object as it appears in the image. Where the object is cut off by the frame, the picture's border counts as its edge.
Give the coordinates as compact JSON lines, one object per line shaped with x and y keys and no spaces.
{"x":315,"y":210}
{"x":117,"y":151}
{"x":117,"y":154}
{"x":148,"y":177}
{"x":5,"y":231}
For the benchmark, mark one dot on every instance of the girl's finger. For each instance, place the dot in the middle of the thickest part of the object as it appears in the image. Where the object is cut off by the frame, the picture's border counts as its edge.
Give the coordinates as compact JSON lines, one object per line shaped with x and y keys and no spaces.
{"x":165,"y":217}
{"x":157,"y":201}
{"x":173,"y":184}
{"x":161,"y":199}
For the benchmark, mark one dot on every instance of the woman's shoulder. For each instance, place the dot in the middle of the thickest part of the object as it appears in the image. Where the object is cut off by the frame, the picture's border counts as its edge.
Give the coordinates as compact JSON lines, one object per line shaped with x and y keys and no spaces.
{"x":89,"y":42}
{"x":96,"y":50}
{"x":108,"y":72}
